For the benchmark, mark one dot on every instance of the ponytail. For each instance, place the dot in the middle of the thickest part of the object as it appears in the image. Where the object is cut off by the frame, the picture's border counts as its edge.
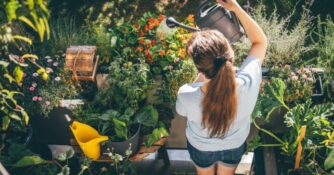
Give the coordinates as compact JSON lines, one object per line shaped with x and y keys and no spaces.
{"x":219,"y":105}
{"x":220,"y":102}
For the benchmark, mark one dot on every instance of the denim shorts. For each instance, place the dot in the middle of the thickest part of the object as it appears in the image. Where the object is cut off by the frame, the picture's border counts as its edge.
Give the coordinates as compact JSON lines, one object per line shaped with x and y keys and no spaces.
{"x":205,"y":159}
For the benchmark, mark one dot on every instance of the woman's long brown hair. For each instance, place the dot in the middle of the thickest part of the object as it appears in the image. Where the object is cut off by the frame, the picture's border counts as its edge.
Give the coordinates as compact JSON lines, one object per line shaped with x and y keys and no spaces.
{"x":219,"y":106}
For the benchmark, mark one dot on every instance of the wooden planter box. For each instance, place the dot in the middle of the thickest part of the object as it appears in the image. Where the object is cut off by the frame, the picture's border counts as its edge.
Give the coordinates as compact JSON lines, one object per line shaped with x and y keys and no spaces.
{"x":82,"y":62}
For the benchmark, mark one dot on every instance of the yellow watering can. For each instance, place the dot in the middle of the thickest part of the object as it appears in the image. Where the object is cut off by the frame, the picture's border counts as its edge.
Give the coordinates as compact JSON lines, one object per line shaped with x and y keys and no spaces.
{"x":88,"y":139}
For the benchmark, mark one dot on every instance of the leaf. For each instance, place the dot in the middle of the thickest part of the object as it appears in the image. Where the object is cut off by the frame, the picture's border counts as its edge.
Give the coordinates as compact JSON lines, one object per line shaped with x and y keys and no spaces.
{"x":47,"y":27}
{"x":329,"y":162}
{"x":25,"y":116}
{"x":11,"y":8}
{"x":148,"y":116}
{"x":5,"y":122}
{"x":29,"y":161}
{"x":28,"y":22}
{"x":156,"y":134}
{"x":277,"y":88}
{"x":18,"y":74}
{"x":30,"y":56}
{"x":65,"y":171}
{"x":120,"y":128}
{"x":109,"y":115}
{"x":9,"y":78}
{"x":22,"y":38}
{"x":15,"y":117}
{"x":31,"y":4}
{"x":4,"y":63}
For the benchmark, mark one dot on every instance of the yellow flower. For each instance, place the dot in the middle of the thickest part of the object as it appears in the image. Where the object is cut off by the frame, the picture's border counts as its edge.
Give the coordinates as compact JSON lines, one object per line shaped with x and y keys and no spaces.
{"x":45,"y":76}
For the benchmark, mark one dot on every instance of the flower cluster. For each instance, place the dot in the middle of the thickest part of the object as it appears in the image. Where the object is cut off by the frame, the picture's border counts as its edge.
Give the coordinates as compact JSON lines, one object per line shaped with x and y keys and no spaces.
{"x":299,"y":82}
{"x":44,"y":87}
{"x":144,"y":40}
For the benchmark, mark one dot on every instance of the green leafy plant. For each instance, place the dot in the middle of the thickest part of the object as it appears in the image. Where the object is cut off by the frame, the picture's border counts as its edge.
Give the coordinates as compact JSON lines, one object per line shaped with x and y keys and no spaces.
{"x":286,"y":44}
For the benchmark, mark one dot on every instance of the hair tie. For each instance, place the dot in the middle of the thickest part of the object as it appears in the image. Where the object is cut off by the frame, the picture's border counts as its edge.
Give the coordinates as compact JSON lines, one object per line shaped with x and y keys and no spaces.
{"x":219,"y":61}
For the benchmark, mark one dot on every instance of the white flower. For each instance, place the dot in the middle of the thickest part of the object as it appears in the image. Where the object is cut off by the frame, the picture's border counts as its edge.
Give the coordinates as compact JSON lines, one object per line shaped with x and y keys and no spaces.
{"x":57,"y":79}
{"x":47,"y":57}
{"x":34,"y":84}
{"x":55,"y":64}
{"x":35,"y":74}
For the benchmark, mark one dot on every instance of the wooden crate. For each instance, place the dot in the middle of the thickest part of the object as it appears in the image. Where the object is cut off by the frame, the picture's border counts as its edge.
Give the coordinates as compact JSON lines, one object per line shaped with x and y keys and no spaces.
{"x":80,"y":58}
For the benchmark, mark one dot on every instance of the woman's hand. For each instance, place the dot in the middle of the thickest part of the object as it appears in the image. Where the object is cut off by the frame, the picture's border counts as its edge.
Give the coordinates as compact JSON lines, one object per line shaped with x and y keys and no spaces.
{"x":230,"y":5}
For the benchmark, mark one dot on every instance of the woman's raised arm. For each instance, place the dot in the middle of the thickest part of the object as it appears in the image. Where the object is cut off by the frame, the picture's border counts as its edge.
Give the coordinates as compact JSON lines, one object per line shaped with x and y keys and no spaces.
{"x":253,"y":30}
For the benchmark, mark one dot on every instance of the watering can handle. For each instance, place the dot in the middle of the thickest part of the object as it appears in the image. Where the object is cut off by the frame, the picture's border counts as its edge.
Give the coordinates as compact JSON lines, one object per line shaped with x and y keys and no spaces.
{"x":205,"y":4}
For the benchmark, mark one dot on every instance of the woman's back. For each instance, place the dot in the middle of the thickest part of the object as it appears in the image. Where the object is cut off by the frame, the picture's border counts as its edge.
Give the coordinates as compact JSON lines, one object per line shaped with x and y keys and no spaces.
{"x":189,"y":102}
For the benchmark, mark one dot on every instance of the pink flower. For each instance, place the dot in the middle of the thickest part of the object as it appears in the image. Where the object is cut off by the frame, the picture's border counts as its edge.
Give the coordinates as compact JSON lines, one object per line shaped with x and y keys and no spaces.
{"x":40,"y":99}
{"x":35,"y":98}
{"x":35,"y":74}
{"x":34,"y":84}
{"x":21,"y":60}
{"x":294,"y":77}
{"x":48,"y":70}
{"x":31,"y":88}
{"x":309,"y":79}
{"x":292,"y":74}
{"x":47,"y":103}
{"x":304,"y":76}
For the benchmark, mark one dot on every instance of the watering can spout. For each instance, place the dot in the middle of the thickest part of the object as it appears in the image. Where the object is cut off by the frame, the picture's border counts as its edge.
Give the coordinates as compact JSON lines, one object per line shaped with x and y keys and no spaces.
{"x":98,"y":140}
{"x":88,"y":139}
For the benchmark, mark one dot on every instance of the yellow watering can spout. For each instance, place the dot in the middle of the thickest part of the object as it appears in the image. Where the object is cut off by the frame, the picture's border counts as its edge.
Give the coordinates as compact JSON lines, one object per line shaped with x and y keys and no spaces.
{"x":88,"y":139}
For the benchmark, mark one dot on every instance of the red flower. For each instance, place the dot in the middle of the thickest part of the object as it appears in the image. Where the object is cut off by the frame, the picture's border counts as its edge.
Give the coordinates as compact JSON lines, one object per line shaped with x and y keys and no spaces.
{"x":153,"y":42}
{"x":161,"y":53}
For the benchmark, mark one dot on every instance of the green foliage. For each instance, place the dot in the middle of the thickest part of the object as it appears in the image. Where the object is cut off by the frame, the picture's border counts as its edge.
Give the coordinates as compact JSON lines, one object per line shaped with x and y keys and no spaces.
{"x":29,"y":161}
{"x":148,"y":116}
{"x":286,"y":46}
{"x":156,"y":134}
{"x":272,"y":98}
{"x":325,"y":47}
{"x":329,"y":162}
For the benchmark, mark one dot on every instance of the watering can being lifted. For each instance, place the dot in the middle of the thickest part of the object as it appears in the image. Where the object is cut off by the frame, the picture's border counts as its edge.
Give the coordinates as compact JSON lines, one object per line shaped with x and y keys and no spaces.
{"x":213,"y":17}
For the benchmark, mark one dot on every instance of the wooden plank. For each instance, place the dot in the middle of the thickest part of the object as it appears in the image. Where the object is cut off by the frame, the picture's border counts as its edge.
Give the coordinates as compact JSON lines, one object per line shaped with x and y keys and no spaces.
{"x":269,"y":157}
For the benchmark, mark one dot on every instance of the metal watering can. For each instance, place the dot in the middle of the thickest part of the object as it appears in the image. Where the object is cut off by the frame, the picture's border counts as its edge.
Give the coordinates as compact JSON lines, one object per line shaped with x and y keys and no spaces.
{"x":213,"y":17}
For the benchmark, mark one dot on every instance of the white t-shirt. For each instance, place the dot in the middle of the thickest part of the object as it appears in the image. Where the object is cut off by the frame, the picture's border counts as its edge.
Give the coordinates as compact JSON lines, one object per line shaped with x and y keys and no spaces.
{"x":188,"y":104}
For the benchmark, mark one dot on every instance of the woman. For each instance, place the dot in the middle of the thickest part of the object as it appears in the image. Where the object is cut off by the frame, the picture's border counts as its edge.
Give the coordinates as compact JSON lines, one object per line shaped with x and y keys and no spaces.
{"x":218,"y":105}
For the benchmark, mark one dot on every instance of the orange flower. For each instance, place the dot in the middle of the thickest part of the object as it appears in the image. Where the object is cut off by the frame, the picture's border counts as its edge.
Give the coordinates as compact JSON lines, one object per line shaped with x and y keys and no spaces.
{"x":190,"y":18}
{"x":152,"y":22}
{"x":148,"y":56}
{"x":182,"y":53}
{"x":161,"y":17}
{"x":140,"y":49}
{"x":161,"y":53}
{"x":142,"y":41}
{"x":136,"y":26}
{"x":141,"y":33}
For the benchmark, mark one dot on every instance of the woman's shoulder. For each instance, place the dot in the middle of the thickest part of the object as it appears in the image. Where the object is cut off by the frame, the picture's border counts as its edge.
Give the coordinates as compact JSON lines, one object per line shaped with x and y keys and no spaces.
{"x":189,"y":88}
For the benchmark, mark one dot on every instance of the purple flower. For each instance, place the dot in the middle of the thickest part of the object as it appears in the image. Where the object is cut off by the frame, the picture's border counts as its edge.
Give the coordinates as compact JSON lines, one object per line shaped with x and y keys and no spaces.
{"x":35,"y":74}
{"x":35,"y":98}
{"x":47,"y":103}
{"x":55,"y":64}
{"x":34,"y":84}
{"x":57,"y":79}
{"x":31,"y":89}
